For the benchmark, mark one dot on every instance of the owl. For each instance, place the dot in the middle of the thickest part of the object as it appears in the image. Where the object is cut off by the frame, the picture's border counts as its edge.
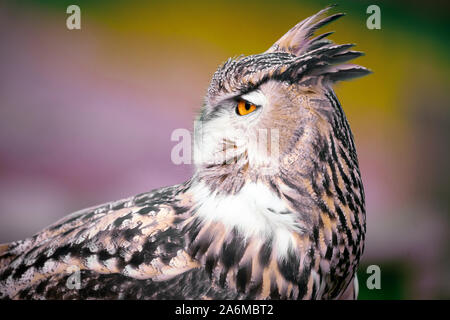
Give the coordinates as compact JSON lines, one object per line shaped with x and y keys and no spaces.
{"x":274,"y":210}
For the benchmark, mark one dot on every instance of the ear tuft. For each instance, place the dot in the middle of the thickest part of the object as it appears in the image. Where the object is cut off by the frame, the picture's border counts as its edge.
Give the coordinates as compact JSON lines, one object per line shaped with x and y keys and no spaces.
{"x":319,"y":56}
{"x":298,"y":40}
{"x":345,"y":72}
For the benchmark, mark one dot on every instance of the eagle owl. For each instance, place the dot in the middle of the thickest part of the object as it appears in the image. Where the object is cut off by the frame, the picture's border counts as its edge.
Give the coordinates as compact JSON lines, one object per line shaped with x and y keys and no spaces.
{"x":282,"y":218}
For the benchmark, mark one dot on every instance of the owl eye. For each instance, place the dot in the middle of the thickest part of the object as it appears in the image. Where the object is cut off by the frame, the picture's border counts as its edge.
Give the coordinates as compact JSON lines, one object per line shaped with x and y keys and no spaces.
{"x":244,"y":107}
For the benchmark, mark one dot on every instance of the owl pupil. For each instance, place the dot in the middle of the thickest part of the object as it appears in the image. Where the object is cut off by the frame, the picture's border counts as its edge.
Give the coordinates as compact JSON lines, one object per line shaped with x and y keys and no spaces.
{"x":247,"y":106}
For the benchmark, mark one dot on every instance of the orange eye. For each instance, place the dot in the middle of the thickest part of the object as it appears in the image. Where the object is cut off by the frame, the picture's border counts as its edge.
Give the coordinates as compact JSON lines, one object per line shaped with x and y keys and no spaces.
{"x":245,"y":107}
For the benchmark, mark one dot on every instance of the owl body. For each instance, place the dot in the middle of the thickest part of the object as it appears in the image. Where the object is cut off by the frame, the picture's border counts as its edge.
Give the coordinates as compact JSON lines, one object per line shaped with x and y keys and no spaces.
{"x":274,"y":210}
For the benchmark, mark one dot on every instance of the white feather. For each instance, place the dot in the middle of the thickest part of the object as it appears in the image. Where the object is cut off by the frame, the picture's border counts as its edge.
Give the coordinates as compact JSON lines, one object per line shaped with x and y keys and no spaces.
{"x":256,"y":97}
{"x":255,"y":211}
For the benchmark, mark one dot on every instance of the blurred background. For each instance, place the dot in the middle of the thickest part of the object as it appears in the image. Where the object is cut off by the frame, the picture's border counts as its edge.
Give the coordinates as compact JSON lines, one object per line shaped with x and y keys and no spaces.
{"x":86,"y":115}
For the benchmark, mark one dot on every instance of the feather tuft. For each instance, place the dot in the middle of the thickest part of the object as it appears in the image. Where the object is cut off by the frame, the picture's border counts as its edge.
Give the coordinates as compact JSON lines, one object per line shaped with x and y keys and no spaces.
{"x":317,"y":56}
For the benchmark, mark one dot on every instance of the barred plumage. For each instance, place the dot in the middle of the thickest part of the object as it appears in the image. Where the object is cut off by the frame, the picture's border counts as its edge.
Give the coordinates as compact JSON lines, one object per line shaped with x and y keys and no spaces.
{"x":253,"y":225}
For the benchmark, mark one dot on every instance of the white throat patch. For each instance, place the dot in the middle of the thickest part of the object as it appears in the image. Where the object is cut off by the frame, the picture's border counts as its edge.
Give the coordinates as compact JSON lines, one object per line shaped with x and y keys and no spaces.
{"x":255,"y":211}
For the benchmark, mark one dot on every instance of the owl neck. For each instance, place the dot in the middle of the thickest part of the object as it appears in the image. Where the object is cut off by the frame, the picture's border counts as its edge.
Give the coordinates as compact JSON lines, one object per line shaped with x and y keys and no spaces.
{"x":240,"y":237}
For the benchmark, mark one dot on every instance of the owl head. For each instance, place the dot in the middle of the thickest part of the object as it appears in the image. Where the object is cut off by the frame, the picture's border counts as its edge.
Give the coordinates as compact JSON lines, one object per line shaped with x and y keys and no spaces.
{"x":267,"y":113}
